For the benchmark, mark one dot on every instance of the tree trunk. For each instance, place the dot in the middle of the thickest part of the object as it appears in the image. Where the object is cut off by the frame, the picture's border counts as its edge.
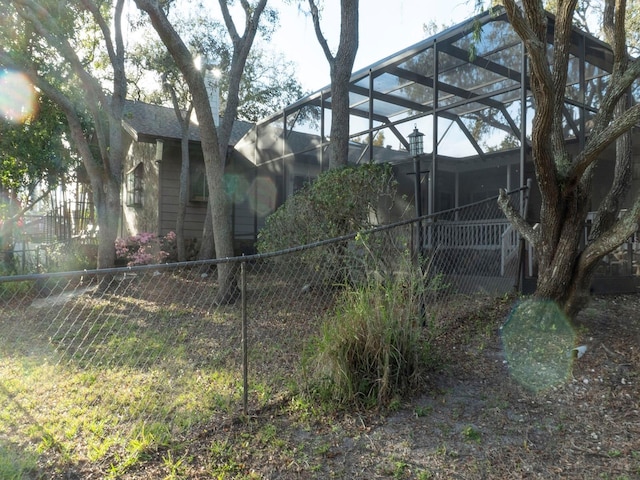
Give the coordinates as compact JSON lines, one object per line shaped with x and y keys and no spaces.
{"x":207,"y":248}
{"x":107,"y":197}
{"x":183,"y":192}
{"x":339,"y":134}
{"x":566,"y":263}
{"x":341,"y":66}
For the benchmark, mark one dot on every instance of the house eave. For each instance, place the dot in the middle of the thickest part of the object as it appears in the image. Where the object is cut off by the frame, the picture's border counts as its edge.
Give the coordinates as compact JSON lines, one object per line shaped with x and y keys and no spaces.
{"x":132,"y":132}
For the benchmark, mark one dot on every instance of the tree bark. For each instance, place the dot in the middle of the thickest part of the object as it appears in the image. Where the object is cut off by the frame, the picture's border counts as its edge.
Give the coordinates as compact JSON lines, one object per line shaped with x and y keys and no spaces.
{"x":207,"y":248}
{"x":340,"y":69}
{"x":565,"y":264}
{"x":183,"y":192}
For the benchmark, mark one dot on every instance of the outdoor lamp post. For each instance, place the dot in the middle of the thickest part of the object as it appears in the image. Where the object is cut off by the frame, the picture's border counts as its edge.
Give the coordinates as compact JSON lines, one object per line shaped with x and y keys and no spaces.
{"x":416,"y":148}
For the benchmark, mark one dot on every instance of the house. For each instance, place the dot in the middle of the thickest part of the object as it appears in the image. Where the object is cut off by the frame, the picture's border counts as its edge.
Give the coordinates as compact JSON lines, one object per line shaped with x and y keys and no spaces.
{"x":152,"y":172}
{"x":474,"y":109}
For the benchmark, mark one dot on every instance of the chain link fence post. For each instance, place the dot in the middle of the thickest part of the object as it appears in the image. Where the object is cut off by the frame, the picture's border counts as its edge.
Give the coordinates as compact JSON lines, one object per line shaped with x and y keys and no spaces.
{"x":245,"y":346}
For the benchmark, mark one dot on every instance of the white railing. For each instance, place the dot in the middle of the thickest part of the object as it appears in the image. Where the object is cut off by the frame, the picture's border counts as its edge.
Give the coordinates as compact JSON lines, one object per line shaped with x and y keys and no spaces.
{"x":508,"y":247}
{"x":476,"y":235}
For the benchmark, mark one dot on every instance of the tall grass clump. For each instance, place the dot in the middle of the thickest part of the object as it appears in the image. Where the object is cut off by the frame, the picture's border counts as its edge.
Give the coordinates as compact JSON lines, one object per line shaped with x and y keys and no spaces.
{"x":372,"y":348}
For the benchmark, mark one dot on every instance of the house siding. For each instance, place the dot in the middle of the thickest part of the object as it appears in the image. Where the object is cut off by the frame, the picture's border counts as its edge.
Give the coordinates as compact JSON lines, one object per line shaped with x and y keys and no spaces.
{"x":243,"y":212}
{"x":143,"y":217}
{"x":170,"y":190}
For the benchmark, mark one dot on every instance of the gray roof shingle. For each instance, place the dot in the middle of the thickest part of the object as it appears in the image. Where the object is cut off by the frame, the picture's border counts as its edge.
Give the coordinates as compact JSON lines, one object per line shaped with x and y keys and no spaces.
{"x":148,"y":121}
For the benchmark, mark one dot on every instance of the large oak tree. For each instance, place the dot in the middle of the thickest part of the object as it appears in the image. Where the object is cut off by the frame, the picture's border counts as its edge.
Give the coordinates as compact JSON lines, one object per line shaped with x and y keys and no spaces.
{"x":565,"y":265}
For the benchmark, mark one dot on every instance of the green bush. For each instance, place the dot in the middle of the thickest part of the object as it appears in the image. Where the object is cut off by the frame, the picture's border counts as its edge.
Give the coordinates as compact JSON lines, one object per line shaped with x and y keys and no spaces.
{"x":373,"y":348}
{"x":9,"y":290}
{"x":339,"y":202}
{"x":70,"y":256}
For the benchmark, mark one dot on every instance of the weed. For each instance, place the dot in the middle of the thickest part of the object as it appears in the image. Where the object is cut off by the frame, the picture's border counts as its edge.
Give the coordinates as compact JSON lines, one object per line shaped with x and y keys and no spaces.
{"x":399,"y":469}
{"x":220,"y":449}
{"x":149,"y":436}
{"x":323,"y":448}
{"x":175,"y":467}
{"x":267,"y":434}
{"x":145,"y":438}
{"x":395,"y":404}
{"x":223,"y":462}
{"x":424,"y":475}
{"x":264,"y":392}
{"x":472,"y":434}
{"x":422,"y":411}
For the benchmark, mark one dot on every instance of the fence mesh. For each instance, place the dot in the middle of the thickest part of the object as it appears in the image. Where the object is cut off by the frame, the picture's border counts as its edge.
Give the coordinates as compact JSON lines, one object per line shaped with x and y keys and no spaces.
{"x":99,"y":366}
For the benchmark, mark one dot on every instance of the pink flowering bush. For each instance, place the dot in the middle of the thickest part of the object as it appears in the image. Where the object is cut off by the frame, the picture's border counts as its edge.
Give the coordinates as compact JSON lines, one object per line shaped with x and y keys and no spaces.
{"x":146,"y":248}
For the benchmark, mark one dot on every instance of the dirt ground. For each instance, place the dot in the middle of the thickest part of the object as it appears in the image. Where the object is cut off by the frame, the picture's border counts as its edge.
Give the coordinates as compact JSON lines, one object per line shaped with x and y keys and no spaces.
{"x":473,"y":421}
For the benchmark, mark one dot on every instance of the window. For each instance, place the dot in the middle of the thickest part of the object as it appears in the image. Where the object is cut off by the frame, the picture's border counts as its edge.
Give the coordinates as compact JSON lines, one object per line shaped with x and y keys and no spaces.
{"x":135,"y":185}
{"x":198,"y":190}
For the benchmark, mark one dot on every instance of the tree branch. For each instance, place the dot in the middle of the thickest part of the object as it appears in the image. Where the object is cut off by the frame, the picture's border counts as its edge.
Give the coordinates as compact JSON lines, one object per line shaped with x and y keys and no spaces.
{"x":315,"y":15}
{"x":228,"y":20}
{"x":516,"y":219}
{"x":626,"y":225}
{"x":602,"y":139}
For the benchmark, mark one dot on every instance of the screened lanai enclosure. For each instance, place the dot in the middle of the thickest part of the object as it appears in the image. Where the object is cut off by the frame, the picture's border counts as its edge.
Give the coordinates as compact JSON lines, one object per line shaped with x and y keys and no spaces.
{"x":465,"y":93}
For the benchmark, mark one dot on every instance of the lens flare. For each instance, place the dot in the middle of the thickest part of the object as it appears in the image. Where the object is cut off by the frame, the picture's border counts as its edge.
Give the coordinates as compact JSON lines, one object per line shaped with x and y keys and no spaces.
{"x":262,"y":196}
{"x":237,"y":187}
{"x":537,"y":340}
{"x":17,"y":96}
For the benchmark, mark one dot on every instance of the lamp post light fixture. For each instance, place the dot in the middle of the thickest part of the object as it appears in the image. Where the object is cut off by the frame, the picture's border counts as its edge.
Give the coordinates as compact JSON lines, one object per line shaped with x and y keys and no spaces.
{"x":416,"y":147}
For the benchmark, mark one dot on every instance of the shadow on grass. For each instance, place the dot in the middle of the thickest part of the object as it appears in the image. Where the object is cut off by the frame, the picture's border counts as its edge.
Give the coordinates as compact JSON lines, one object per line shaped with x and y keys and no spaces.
{"x":18,"y":461}
{"x":107,"y":381}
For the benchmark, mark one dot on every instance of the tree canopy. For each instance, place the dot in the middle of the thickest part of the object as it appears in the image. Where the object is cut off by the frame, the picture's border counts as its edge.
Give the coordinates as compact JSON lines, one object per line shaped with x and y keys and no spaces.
{"x":34,"y":152}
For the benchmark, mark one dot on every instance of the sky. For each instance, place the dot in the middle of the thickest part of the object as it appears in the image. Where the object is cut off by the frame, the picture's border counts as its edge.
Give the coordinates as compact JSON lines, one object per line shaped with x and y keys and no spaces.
{"x":386,"y":27}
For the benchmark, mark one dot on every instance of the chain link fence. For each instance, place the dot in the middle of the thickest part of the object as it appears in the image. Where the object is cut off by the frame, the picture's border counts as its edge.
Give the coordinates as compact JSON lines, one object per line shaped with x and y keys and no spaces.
{"x":99,"y":366}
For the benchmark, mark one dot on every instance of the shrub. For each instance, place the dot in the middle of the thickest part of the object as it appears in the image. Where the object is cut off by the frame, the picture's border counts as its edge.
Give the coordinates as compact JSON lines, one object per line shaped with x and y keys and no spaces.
{"x":146,"y":248}
{"x":340,"y":202}
{"x":372,"y":348}
{"x":69,"y":256}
